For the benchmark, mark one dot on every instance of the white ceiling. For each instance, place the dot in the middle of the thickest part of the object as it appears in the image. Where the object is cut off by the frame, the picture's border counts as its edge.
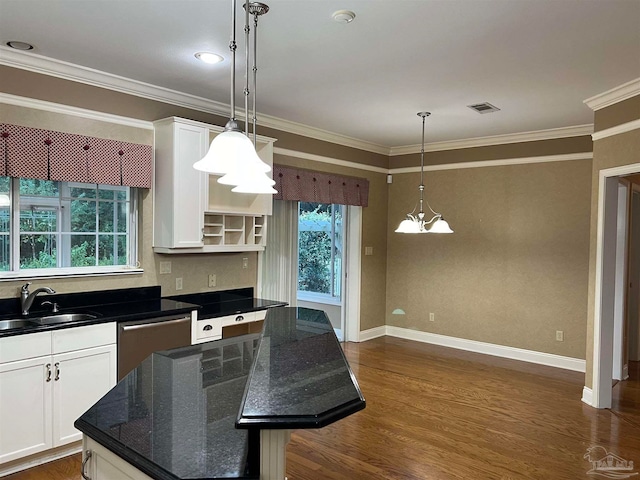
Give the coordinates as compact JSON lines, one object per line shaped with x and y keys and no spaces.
{"x":537,"y":60}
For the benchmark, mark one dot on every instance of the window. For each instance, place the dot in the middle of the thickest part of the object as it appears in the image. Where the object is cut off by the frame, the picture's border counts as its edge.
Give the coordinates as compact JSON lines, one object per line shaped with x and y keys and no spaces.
{"x":46,"y":225}
{"x":320,"y":240}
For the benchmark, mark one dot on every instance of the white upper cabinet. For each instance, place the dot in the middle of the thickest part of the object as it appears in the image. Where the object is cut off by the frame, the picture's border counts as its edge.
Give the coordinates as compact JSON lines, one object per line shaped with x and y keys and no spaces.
{"x":193,"y":213}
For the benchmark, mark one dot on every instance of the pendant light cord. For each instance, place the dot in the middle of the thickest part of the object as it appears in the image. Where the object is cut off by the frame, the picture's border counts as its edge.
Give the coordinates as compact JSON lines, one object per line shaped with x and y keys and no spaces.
{"x":247,"y":30}
{"x":232,"y":47}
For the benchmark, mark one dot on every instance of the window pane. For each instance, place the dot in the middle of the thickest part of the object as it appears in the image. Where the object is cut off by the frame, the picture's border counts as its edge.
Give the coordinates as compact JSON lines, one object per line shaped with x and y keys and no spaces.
{"x":39,"y":188}
{"x":113,"y":250}
{"x":105,"y":219}
{"x":83,"y":250}
{"x":83,"y":216}
{"x":83,"y":192}
{"x":122,"y":217}
{"x":38,"y":219}
{"x":105,"y":194}
{"x":38,"y":251}
{"x":314,"y":248}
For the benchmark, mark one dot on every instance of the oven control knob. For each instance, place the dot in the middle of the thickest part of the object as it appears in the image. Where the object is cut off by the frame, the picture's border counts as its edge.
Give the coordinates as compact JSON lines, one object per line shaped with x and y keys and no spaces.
{"x":239,"y":318}
{"x":207,"y":328}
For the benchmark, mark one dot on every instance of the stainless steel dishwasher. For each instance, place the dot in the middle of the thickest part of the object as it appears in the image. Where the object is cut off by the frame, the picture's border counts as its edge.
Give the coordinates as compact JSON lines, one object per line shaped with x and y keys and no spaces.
{"x":140,"y":338}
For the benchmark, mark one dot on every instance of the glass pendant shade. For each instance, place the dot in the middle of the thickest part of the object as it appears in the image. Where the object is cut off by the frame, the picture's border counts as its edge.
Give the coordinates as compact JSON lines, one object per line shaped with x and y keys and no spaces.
{"x":248,"y":169}
{"x":255,"y":182}
{"x":227,"y":150}
{"x":408,"y":226}
{"x":440,"y":226}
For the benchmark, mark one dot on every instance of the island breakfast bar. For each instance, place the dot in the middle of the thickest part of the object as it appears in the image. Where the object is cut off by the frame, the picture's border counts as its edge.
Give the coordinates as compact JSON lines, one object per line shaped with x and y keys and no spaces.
{"x":222,"y":409}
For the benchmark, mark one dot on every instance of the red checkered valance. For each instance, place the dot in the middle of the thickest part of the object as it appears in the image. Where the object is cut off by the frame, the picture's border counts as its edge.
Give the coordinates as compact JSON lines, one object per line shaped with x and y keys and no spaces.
{"x":309,"y":186}
{"x":49,"y":155}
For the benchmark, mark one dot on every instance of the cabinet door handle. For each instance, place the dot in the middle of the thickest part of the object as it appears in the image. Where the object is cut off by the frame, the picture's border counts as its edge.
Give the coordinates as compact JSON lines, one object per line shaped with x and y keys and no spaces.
{"x":48,"y":367}
{"x":207,"y":328}
{"x":87,"y":456}
{"x":57,"y":367}
{"x":239,"y":318}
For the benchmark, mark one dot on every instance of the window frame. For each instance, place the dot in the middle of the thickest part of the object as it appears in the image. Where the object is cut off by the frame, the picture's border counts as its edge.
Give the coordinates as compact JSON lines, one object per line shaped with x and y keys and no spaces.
{"x":16,"y":273}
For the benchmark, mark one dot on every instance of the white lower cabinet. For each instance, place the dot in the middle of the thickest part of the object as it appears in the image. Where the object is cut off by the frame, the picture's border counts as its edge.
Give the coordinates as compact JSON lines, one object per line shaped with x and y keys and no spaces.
{"x":84,"y":376}
{"x":41,"y":397}
{"x":25,"y":408}
{"x":98,"y":463}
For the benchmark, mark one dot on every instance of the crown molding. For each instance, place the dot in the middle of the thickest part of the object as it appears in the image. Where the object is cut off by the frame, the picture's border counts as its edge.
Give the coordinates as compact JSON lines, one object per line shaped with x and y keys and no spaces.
{"x":89,"y":76}
{"x":497,"y":163}
{"x":332,"y":161}
{"x":538,"y":135}
{"x":617,"y":130}
{"x":615,"y":95}
{"x":8,"y":99}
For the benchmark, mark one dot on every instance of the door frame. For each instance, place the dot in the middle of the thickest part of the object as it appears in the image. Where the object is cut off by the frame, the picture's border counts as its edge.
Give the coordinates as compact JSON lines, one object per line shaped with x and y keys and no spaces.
{"x":605,"y":292}
{"x":352,"y":273}
{"x":622,"y":251}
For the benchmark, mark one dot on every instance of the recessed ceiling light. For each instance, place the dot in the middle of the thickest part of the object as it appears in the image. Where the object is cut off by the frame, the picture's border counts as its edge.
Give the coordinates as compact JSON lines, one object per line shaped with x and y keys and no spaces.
{"x":343,"y":16}
{"x":208,"y":57}
{"x":20,"y":45}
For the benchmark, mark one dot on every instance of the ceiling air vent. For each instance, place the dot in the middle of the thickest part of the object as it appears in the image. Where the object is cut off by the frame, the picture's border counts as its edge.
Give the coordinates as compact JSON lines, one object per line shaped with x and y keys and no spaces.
{"x":485,"y":107}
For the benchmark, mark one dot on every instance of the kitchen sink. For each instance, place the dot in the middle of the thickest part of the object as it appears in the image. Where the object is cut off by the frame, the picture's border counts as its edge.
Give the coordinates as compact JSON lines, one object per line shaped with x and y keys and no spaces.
{"x":63,"y":318}
{"x":10,"y":324}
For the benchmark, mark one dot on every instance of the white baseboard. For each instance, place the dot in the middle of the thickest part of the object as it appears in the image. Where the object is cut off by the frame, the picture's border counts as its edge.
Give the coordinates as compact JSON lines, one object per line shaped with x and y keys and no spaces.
{"x":40,"y":458}
{"x":372,"y":333}
{"x":587,"y":396}
{"x":542,"y":358}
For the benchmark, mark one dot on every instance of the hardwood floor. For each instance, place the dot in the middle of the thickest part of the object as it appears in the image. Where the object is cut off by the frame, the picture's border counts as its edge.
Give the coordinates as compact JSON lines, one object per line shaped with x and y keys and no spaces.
{"x":438,"y":413}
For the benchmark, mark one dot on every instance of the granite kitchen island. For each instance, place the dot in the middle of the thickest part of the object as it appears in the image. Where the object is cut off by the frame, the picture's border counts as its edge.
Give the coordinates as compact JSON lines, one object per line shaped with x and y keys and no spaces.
{"x":222,"y":409}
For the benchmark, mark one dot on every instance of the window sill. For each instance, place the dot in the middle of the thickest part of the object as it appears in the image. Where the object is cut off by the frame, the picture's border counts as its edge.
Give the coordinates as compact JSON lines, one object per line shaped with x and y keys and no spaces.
{"x":69,"y":273}
{"x":318,"y":298}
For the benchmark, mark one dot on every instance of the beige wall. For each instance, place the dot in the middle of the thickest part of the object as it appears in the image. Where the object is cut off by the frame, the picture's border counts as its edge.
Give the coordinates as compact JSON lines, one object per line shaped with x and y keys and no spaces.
{"x":614,"y":151}
{"x":539,"y":148}
{"x":514,"y":271}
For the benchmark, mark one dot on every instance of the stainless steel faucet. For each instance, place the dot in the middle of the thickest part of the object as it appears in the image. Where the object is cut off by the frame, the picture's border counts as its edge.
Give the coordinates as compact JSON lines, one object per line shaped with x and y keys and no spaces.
{"x":27,"y":298}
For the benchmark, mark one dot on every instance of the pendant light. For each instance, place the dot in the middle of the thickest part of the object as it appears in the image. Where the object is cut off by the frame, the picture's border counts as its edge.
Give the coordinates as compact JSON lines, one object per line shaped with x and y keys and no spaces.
{"x":417,"y":223}
{"x":232,"y":152}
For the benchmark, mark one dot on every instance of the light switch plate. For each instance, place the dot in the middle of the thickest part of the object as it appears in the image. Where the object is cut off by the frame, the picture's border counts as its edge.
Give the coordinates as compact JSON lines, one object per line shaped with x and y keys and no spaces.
{"x":165,"y":267}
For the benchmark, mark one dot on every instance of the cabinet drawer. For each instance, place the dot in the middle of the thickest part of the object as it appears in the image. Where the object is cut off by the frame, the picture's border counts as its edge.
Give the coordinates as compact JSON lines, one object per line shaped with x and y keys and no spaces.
{"x":21,"y":347}
{"x":207,"y":330}
{"x":83,"y":337}
{"x":238,"y":319}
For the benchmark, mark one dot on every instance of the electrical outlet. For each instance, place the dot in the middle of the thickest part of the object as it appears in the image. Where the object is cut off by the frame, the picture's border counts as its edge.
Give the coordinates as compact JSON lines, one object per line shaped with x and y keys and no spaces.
{"x":368,"y":250}
{"x":212,"y":281}
{"x":559,"y":335}
{"x":179,"y":283}
{"x":432,"y":317}
{"x":245,"y":262}
{"x":165,"y":267}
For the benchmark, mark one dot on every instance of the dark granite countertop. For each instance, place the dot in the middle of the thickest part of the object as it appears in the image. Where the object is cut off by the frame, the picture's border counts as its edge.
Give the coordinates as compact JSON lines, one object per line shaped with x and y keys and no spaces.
{"x":107,"y":305}
{"x":129,"y":304}
{"x":219,"y":304}
{"x":173,"y":416}
{"x":300,"y":377}
{"x":177,"y":415}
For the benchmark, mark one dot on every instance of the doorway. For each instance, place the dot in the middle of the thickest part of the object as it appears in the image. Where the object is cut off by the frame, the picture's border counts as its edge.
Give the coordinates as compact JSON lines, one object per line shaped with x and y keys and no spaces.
{"x":608,"y":291}
{"x":278,"y":265}
{"x":321,"y":258}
